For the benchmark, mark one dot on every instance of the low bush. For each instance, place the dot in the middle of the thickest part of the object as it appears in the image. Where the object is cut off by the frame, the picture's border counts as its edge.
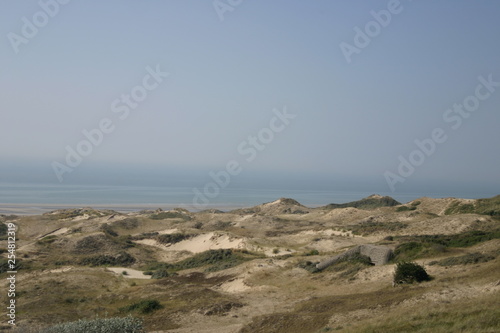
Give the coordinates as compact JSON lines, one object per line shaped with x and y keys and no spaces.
{"x":414,"y":250}
{"x":47,"y":240}
{"x":219,"y":225}
{"x":312,"y":253}
{"x":489,"y":206}
{"x":128,"y":223}
{"x":428,"y":245}
{"x":122,"y":259}
{"x":91,"y":244}
{"x":308,"y":266}
{"x":405,"y":208}
{"x":219,"y":259}
{"x":108,"y":230}
{"x":172,"y":238}
{"x":143,"y":307}
{"x":216,"y":260}
{"x":464,"y":239}
{"x":349,"y":266}
{"x":471,"y":258}
{"x":410,"y":272}
{"x":160,"y":274}
{"x":358,"y":258}
{"x":366,"y":228}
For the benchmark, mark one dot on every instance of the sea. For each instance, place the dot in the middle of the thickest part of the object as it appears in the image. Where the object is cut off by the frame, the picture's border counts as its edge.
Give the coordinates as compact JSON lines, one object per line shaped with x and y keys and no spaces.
{"x":27,"y":199}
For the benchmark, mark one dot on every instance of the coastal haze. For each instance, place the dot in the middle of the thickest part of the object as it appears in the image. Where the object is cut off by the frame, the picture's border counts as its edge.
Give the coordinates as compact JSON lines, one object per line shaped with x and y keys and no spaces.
{"x":375,"y":97}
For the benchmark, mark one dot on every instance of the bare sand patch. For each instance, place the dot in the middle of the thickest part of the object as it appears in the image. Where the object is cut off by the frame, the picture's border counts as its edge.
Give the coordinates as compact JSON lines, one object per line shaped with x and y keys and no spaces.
{"x":209,"y":241}
{"x":61,"y":270}
{"x":131,"y":273}
{"x":168,"y":231}
{"x":235,"y":286}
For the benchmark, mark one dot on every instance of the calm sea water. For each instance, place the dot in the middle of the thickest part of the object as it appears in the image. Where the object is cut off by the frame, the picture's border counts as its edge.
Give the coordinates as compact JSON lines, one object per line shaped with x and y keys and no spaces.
{"x":126,"y":198}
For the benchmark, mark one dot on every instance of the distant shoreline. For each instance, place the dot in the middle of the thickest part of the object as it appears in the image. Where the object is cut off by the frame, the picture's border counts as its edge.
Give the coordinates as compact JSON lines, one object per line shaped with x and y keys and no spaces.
{"x":30,"y":209}
{"x":23,"y":209}
{"x":35,"y":199}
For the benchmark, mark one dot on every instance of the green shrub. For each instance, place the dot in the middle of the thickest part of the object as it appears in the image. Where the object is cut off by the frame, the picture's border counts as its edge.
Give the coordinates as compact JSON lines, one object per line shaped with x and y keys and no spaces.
{"x":366,"y":203}
{"x":172,"y":238}
{"x":125,"y":241}
{"x":312,"y":253}
{"x":408,"y":250}
{"x":155,"y":265}
{"x":405,"y":208}
{"x":220,"y":266}
{"x":160,"y":274}
{"x":428,"y":245}
{"x":459,"y":208}
{"x":489,"y":206}
{"x":106,"y":228}
{"x":471,"y":238}
{"x":122,"y":258}
{"x":471,"y":258}
{"x":308,"y":266}
{"x":108,"y":325}
{"x":128,"y":223}
{"x":219,"y":225}
{"x":410,"y":272}
{"x":349,"y":266}
{"x":143,"y":307}
{"x":358,"y":258}
{"x":366,"y":228}
{"x":464,"y":239}
{"x":216,"y":260}
{"x":413,"y":250}
{"x":47,"y":240}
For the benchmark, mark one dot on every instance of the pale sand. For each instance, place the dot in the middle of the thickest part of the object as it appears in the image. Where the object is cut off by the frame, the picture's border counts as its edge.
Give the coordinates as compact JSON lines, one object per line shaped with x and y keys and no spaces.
{"x":169,"y":231}
{"x":209,"y":241}
{"x":131,"y":273}
{"x":201,"y":243}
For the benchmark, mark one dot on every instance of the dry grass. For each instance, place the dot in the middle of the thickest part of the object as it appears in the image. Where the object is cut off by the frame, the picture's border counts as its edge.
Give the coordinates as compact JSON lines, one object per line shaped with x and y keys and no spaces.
{"x":481,"y":314}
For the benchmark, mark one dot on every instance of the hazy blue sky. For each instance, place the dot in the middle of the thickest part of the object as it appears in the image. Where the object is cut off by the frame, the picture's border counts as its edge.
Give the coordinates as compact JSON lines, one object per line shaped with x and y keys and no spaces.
{"x":353,"y":120}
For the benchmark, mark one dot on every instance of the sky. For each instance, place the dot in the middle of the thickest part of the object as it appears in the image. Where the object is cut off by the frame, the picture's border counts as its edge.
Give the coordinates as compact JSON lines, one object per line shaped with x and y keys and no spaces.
{"x":331,"y":93}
